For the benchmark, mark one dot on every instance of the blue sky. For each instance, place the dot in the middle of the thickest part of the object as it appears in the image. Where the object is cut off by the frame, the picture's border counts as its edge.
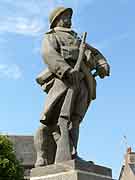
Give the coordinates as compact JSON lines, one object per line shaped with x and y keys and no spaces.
{"x":110,"y":26}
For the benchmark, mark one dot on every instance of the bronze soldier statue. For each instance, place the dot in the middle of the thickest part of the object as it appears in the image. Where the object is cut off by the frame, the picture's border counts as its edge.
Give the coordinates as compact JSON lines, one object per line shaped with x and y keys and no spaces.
{"x":58,"y":133}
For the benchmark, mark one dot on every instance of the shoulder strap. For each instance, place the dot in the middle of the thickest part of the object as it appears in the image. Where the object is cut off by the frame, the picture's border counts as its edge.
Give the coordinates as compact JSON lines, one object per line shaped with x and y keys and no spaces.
{"x":58,"y":39}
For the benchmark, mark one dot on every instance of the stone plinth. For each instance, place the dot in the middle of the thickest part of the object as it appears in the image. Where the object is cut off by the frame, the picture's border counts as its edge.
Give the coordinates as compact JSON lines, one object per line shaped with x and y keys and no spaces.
{"x":71,"y":170}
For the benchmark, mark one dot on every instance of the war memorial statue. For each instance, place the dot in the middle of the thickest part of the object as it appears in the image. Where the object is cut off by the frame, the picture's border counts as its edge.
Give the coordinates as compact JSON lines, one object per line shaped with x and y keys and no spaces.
{"x":70,"y":85}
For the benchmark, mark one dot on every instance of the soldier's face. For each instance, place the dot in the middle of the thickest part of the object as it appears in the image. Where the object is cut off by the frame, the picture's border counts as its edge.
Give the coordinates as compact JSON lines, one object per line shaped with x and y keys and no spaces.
{"x":65,"y":20}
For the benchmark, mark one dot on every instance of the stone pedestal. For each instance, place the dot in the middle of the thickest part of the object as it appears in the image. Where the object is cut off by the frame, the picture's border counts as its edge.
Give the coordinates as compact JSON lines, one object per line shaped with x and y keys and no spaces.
{"x":71,"y":170}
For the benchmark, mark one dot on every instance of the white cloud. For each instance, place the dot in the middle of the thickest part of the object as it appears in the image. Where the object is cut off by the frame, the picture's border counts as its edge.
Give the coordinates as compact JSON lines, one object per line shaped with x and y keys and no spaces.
{"x":30,"y":8}
{"x":10,"y":71}
{"x":21,"y":25}
{"x":31,"y":17}
{"x":25,"y":17}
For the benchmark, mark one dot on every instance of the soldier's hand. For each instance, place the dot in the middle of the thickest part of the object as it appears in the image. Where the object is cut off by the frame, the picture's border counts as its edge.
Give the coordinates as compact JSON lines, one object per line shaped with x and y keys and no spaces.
{"x":103,"y":70}
{"x":74,"y":77}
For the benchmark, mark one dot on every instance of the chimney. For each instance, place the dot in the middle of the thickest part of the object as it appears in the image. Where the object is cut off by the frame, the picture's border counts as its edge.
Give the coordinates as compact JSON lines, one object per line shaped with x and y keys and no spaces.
{"x":130,"y":156}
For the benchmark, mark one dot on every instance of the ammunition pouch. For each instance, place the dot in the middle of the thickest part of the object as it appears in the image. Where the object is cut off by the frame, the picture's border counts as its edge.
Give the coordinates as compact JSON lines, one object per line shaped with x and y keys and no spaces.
{"x":46,"y":80}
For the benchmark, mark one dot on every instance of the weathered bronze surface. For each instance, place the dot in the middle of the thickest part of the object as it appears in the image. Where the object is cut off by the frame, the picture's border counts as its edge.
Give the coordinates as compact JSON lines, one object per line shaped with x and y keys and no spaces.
{"x":70,"y":90}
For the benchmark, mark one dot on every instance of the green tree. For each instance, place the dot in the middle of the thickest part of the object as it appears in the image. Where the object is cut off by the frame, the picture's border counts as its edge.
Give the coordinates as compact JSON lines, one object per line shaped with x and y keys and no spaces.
{"x":10,"y":167}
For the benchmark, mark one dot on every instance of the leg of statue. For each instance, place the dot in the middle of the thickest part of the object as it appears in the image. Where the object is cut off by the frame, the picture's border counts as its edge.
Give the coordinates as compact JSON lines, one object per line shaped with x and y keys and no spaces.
{"x":53,"y":135}
{"x":40,"y":142}
{"x":78,"y":112}
{"x":74,"y":136}
{"x":63,"y":142}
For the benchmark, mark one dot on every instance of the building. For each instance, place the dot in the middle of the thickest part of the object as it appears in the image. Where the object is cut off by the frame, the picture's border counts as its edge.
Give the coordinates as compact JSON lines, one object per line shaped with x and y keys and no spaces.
{"x":25,"y":152}
{"x":128,"y":169}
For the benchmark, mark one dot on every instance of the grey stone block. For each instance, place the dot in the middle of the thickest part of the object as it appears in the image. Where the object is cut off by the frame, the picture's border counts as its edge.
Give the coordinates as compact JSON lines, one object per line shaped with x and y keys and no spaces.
{"x":71,"y":170}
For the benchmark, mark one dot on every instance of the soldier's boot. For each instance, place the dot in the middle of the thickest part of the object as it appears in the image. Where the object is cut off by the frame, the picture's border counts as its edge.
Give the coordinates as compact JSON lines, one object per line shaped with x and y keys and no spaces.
{"x":40,"y":142}
{"x":74,"y":134}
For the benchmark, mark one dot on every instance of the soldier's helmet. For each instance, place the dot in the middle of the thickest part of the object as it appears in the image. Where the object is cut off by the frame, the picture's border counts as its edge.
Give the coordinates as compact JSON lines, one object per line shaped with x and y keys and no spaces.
{"x":56,"y":13}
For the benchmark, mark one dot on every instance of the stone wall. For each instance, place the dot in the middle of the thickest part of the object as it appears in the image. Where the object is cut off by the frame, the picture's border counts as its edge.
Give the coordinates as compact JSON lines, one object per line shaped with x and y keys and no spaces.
{"x":25,"y":151}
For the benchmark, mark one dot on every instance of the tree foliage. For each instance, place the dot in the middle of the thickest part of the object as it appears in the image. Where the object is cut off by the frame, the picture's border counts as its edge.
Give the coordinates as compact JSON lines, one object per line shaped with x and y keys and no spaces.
{"x":10,"y":167}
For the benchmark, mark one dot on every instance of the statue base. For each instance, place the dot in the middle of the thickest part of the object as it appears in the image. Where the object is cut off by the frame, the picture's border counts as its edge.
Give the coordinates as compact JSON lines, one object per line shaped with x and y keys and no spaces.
{"x":71,"y":170}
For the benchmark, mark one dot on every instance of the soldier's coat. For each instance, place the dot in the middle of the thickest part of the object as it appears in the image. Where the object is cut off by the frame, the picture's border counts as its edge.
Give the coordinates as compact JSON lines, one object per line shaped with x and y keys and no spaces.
{"x":53,"y":42}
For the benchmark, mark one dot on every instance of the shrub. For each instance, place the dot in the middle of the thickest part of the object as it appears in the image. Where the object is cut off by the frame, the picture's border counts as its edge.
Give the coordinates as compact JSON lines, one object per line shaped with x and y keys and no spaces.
{"x":10,"y":167}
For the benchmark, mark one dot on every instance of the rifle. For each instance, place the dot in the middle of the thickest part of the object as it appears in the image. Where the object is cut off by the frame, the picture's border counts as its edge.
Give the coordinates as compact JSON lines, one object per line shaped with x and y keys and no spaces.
{"x":63,"y":145}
